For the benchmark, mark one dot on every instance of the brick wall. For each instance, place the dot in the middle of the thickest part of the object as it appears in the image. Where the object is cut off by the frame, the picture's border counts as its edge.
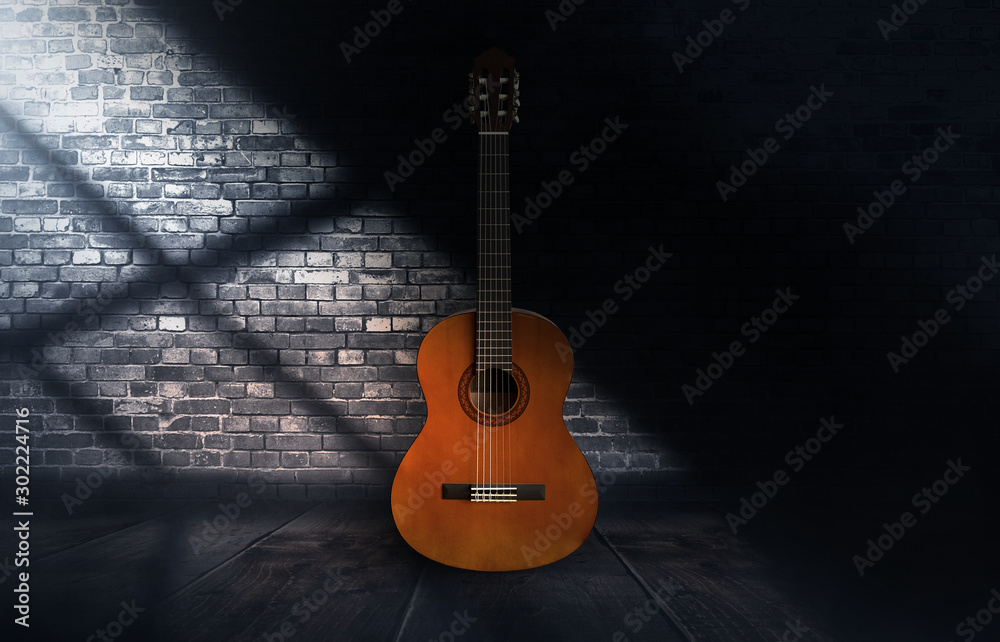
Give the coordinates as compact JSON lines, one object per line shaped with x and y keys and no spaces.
{"x":206,"y":274}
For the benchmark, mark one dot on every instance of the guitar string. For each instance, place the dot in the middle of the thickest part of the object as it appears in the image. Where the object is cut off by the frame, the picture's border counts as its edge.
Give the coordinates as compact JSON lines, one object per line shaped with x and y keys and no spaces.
{"x":505,"y":286}
{"x":494,"y":260}
{"x":508,"y":318}
{"x":493,"y":306}
{"x":485,"y":337}
{"x":479,"y":316}
{"x":487,"y":374}
{"x":489,"y":307}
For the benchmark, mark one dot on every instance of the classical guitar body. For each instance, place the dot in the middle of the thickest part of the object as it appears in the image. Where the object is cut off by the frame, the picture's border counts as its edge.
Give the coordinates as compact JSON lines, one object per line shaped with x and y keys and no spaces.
{"x":533,"y":451}
{"x":494,"y":481}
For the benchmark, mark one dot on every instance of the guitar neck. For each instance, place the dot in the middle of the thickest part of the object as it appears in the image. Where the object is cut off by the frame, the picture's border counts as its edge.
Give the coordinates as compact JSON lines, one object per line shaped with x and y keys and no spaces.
{"x":493,"y":309}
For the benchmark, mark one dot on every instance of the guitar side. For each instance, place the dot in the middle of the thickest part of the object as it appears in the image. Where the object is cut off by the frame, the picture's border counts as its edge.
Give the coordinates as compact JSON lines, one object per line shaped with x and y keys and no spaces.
{"x":535,"y":447}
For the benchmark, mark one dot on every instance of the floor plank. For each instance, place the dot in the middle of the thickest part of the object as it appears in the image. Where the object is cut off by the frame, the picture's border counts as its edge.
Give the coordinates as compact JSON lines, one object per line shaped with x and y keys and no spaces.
{"x":658,"y":571}
{"x":923,"y":587}
{"x":726,"y":594}
{"x":89,"y":584}
{"x":587,"y":596}
{"x":341,"y":567}
{"x":54,"y":530}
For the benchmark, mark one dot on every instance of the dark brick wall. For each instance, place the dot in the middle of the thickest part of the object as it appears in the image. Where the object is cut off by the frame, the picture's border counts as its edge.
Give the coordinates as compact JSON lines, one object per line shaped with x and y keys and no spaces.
{"x":207,"y":275}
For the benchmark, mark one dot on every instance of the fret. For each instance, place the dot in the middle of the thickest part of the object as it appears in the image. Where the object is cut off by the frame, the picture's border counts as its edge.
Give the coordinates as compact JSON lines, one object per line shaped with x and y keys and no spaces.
{"x":493,"y":305}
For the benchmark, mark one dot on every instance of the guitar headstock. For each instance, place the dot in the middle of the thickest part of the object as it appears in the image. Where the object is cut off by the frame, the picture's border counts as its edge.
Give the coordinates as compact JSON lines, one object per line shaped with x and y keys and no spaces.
{"x":493,"y":86}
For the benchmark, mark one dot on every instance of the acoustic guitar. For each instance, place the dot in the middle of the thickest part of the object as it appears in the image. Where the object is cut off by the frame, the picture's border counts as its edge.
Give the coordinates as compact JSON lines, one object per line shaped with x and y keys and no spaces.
{"x":494,"y":481}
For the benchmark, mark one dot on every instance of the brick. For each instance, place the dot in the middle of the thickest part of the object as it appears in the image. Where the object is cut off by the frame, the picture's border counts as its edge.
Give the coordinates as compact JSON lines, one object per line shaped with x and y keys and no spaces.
{"x":294,"y":175}
{"x":146,"y":93}
{"x":293,"y":442}
{"x":120,"y":174}
{"x":180,"y":110}
{"x":69,"y":14}
{"x":147,"y":142}
{"x":202,"y":406}
{"x":13,"y":173}
{"x":8,"y":45}
{"x":179,"y":174}
{"x":89,"y":142}
{"x":96,"y":77}
{"x":116,"y":373}
{"x":206,"y":78}
{"x":136,"y":45}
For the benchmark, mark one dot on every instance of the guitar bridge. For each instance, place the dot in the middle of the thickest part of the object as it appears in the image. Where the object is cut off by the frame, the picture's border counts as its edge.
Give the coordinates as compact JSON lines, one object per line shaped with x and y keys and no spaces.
{"x":493,"y":492}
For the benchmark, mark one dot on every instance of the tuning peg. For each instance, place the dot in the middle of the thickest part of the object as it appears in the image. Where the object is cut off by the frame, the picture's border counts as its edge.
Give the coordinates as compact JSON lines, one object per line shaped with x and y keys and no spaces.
{"x":517,"y":118}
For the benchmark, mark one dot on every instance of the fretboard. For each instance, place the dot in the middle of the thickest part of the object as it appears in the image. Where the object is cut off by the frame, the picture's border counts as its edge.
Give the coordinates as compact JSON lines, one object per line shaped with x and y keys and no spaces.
{"x":493,"y":294}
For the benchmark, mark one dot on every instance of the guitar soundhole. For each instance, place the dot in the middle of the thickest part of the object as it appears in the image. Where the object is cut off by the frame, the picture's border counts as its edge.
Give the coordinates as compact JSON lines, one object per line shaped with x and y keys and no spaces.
{"x":493,"y":397}
{"x":493,"y":391}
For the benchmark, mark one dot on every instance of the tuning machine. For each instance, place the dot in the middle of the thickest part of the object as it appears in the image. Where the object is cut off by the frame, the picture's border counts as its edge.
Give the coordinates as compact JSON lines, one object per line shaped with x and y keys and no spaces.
{"x":517,"y":95}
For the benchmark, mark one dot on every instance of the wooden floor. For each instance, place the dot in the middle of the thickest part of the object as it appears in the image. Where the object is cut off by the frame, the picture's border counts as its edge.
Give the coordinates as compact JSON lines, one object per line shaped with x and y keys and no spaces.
{"x":340,"y":571}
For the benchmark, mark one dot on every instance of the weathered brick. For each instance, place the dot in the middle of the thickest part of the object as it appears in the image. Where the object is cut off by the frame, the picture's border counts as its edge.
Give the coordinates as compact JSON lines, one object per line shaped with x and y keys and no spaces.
{"x":180,"y":110}
{"x":96,"y":77}
{"x":136,"y":45}
{"x":120,"y":174}
{"x":69,"y":14}
{"x":293,"y":442}
{"x":89,"y":142}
